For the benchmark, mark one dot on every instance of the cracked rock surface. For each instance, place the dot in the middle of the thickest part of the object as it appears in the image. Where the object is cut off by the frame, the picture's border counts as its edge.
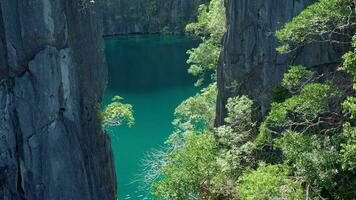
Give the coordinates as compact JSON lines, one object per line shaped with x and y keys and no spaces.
{"x":53,"y":75}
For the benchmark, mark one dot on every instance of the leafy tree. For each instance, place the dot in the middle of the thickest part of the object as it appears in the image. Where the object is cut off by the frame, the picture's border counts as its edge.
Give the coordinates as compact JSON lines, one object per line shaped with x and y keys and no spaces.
{"x":208,"y":158}
{"x":270,"y":182}
{"x":323,"y":21}
{"x":296,"y":77}
{"x":198,"y":112}
{"x":117,"y":113}
{"x":180,"y":170}
{"x":301,"y":112}
{"x":210,"y":27}
{"x":190,"y":169}
{"x":234,"y":138}
{"x":187,"y":168}
{"x":302,"y":132}
{"x":307,"y":139}
{"x":348,"y":148}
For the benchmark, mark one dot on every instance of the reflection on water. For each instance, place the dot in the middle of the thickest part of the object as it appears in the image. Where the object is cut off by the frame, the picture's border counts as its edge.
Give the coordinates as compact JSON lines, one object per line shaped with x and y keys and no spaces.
{"x":150,"y":72}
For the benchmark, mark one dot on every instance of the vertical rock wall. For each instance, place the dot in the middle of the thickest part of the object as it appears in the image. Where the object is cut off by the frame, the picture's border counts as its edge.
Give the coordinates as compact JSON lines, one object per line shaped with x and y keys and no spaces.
{"x":52,"y":77}
{"x":249,"y":64}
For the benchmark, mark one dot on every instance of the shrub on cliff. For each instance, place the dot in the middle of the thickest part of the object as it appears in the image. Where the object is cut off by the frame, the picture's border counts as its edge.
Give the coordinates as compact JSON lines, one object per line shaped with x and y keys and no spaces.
{"x":210,"y":27}
{"x":117,"y":113}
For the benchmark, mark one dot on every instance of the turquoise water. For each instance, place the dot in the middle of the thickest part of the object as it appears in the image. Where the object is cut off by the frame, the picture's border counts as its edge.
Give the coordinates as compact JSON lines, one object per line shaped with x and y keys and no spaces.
{"x":150,"y":72}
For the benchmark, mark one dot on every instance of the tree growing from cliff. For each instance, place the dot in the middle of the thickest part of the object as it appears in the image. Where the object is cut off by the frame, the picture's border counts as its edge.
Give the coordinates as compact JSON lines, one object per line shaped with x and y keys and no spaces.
{"x":332,"y":21}
{"x":304,"y":149}
{"x":313,"y":130}
{"x":117,"y":113}
{"x":210,"y":27}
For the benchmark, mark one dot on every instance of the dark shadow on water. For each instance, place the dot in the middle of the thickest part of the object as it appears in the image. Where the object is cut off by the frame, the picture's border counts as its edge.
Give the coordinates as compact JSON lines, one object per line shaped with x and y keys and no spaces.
{"x":150,"y":72}
{"x":142,"y":63}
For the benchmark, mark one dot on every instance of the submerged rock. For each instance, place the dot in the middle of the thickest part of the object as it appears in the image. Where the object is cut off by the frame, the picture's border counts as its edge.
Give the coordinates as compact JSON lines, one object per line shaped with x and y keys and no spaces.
{"x":52,"y":77}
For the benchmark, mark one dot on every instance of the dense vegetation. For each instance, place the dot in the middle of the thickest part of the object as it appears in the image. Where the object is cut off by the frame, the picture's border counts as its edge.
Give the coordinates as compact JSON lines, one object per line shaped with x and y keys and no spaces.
{"x":305,"y":148}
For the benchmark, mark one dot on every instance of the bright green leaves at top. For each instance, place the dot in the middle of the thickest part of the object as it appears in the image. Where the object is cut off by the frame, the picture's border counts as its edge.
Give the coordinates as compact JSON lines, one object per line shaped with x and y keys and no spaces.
{"x":210,"y":27}
{"x":117,"y":113}
{"x":190,"y":168}
{"x":319,"y":22}
{"x":270,"y":182}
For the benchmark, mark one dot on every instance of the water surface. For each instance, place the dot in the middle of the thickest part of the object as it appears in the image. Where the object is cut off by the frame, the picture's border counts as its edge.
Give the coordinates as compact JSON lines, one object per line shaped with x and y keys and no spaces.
{"x":150,"y":72}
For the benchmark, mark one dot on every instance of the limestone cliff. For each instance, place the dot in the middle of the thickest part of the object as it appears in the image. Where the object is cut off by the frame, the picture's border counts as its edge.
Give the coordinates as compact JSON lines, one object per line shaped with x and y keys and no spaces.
{"x":148,"y":16}
{"x":52,"y":77}
{"x":249,"y":64}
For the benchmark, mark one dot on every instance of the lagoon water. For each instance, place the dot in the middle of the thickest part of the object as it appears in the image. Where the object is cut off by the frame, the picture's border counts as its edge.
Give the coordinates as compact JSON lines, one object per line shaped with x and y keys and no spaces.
{"x":150,"y":72}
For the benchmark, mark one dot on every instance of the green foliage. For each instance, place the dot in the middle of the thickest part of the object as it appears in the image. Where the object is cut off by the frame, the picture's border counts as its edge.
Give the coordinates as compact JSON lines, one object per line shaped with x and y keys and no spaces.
{"x":313,"y":157}
{"x":193,"y":166}
{"x":181,"y":168}
{"x":319,"y":22}
{"x":165,"y":31}
{"x":210,"y":27}
{"x":349,"y":64}
{"x":198,"y":112}
{"x":300,"y":129}
{"x":210,"y":21}
{"x":270,"y":182}
{"x":235,"y":137}
{"x":279,"y":93}
{"x":296,"y":77}
{"x":350,"y":106}
{"x":203,"y":60}
{"x":239,"y":110}
{"x":299,"y":110}
{"x":308,"y":138}
{"x":348,"y":148}
{"x":117,"y":113}
{"x":190,"y":168}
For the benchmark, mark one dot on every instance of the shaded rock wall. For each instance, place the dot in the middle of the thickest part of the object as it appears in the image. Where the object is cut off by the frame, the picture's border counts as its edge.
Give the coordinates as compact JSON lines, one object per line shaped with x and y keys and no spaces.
{"x":249,"y":64}
{"x":148,"y":16}
{"x":52,"y":77}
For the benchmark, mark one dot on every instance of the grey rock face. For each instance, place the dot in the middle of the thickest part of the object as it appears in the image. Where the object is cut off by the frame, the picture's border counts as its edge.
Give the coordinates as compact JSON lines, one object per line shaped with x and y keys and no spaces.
{"x":52,"y":77}
{"x":148,"y":16}
{"x":249,"y":64}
